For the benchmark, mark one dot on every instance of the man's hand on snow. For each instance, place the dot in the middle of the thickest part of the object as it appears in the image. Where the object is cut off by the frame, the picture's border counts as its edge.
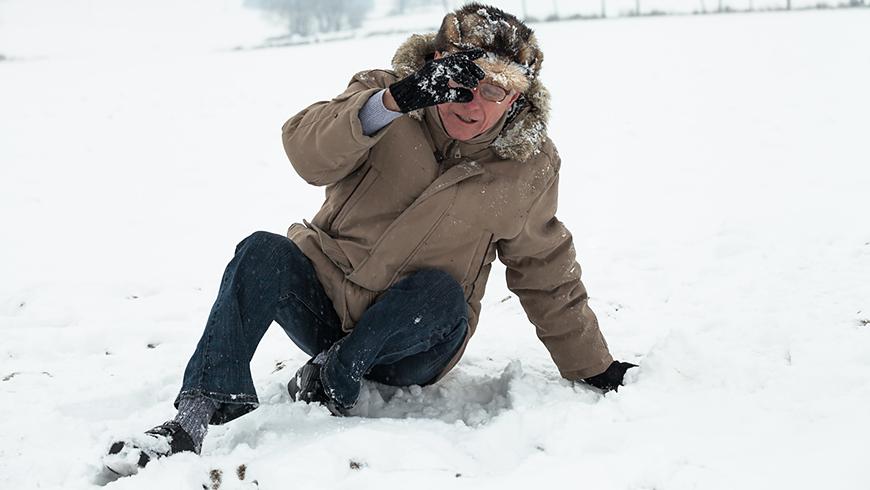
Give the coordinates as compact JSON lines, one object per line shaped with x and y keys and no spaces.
{"x":611,"y":379}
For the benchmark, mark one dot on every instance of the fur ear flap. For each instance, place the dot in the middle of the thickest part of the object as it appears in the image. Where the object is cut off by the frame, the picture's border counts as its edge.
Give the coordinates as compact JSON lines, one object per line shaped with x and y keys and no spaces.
{"x":534,"y":54}
{"x":410,"y":56}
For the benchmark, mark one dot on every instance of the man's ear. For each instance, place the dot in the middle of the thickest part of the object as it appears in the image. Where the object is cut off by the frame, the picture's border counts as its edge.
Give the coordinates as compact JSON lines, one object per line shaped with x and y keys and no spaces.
{"x":438,"y":55}
{"x":513,"y":98}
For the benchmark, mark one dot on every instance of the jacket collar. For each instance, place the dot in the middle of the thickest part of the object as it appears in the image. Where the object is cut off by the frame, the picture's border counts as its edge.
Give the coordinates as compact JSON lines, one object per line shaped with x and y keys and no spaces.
{"x":520,"y":134}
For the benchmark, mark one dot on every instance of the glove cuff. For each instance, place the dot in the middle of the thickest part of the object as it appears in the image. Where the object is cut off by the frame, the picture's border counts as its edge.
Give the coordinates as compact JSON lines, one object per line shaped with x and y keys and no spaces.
{"x":406,"y":93}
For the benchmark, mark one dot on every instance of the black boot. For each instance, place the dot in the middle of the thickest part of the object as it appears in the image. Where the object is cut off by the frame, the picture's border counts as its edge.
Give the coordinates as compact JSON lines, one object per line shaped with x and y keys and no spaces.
{"x":306,"y":387}
{"x":126,"y":457}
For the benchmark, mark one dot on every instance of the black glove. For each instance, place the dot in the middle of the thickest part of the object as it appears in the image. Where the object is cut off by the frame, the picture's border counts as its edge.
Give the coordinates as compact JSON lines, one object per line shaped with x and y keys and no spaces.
{"x":611,"y":379}
{"x":428,"y":85}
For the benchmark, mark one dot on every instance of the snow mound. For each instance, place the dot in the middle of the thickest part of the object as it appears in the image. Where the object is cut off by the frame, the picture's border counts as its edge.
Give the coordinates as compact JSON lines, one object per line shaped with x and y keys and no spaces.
{"x":472,"y":400}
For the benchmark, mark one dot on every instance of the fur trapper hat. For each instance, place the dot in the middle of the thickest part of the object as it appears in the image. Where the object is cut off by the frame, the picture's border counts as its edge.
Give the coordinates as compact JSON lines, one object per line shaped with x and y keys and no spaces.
{"x":513,"y":59}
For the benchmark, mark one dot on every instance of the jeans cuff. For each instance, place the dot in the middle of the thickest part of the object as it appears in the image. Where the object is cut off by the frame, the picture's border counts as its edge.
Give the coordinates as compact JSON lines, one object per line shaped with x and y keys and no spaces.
{"x":338,"y":394}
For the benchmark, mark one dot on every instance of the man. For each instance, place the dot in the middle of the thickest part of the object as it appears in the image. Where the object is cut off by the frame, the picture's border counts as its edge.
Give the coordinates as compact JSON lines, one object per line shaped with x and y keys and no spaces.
{"x":431,"y":171}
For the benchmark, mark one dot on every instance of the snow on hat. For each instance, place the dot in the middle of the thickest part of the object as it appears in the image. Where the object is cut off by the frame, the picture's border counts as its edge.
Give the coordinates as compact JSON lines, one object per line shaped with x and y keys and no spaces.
{"x":513,"y":59}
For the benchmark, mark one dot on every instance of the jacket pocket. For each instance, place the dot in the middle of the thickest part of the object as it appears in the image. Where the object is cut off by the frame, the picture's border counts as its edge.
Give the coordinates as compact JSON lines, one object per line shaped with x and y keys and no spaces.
{"x":354,"y":197}
{"x":410,"y":258}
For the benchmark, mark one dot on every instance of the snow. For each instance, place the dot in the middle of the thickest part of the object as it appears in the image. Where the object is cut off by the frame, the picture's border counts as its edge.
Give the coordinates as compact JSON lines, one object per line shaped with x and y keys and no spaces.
{"x":714,"y":176}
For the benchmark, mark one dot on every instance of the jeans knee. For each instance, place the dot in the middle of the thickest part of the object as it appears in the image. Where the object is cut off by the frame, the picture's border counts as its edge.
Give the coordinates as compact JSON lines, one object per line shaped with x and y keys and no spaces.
{"x":430,"y":279}
{"x":261,"y":239}
{"x":436,"y":283}
{"x":264,"y":251}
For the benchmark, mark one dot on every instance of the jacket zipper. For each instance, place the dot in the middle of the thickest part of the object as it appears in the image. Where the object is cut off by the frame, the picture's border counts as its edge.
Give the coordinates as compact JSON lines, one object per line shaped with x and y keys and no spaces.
{"x":453,"y":151}
{"x":451,"y":154}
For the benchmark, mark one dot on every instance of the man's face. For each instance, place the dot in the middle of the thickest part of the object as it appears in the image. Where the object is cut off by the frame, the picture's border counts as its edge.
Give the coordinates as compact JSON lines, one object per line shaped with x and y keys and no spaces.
{"x":465,"y":121}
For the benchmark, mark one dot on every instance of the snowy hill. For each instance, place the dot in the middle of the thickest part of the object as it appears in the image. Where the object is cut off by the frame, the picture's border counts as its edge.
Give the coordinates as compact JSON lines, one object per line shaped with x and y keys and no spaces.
{"x":715,"y":176}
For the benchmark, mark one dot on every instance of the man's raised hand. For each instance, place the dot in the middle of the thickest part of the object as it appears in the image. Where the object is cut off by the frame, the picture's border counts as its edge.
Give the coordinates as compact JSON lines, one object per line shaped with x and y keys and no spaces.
{"x":430,"y":86}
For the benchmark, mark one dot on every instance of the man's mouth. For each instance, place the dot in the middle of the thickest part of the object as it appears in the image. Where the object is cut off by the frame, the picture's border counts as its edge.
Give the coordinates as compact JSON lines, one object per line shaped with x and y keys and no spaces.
{"x":466,"y":120}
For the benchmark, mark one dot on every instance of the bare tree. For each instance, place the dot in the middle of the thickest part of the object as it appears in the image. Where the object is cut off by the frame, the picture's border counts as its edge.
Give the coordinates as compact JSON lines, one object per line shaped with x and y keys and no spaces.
{"x":356,"y":12}
{"x":405,"y":6}
{"x":304,"y":17}
{"x":329,"y":15}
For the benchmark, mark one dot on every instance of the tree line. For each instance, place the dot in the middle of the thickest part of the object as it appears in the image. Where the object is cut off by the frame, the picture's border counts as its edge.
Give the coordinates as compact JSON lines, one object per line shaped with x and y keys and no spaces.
{"x":304,"y":17}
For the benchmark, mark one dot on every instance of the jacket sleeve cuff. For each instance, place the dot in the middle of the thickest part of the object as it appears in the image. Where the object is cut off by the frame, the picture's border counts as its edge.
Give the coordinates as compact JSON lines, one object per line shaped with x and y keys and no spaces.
{"x":374,"y":115}
{"x":588,"y":371}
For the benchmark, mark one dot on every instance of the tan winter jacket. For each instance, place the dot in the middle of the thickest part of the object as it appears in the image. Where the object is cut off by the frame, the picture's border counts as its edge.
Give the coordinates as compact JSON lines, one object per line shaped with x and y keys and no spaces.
{"x":409,"y":198}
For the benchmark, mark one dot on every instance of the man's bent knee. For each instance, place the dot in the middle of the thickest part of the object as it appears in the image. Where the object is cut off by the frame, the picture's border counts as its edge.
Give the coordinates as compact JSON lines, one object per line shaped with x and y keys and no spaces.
{"x":264,"y":239}
{"x":439,"y":285}
{"x":428,"y":279}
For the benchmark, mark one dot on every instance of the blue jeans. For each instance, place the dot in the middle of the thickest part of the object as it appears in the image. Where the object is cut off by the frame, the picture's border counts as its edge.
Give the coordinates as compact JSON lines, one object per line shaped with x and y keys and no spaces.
{"x":407,"y":337}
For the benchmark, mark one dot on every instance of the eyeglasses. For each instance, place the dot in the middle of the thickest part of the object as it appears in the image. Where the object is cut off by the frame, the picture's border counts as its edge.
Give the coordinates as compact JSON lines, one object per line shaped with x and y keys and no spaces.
{"x":488,"y":91}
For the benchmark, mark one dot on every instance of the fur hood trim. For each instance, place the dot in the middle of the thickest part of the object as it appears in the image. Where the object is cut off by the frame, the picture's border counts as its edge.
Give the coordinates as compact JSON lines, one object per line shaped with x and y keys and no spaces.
{"x":525,"y":129}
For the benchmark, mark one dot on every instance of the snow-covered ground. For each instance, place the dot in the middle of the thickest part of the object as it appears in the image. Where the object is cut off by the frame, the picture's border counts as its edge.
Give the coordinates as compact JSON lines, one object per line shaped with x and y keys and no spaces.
{"x":715,"y":174}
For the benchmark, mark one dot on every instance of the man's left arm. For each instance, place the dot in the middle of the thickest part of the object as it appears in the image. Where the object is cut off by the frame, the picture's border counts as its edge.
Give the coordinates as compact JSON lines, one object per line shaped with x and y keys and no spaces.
{"x":543,"y":273}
